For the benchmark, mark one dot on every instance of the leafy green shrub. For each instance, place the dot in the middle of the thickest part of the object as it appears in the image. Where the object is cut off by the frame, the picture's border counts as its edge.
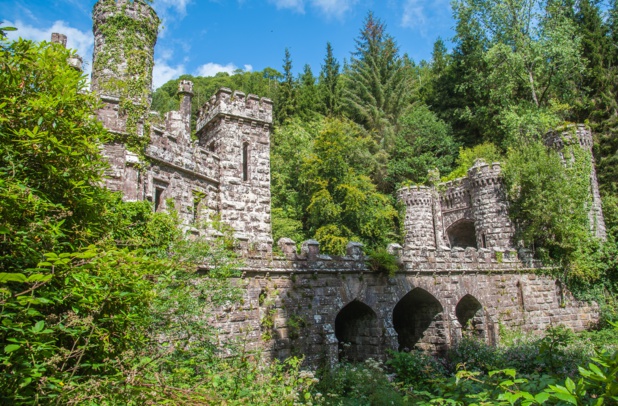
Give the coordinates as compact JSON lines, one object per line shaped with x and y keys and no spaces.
{"x":380,"y":260}
{"x":416,"y":369}
{"x":356,"y":384}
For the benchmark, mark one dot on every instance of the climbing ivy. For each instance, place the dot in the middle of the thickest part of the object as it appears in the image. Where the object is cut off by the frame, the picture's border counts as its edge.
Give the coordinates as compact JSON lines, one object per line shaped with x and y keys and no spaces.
{"x":123,"y":64}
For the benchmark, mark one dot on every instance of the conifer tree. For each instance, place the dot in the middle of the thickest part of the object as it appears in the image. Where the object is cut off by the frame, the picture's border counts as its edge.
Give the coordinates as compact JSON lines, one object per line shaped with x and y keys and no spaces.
{"x":375,"y":83}
{"x":329,"y":84}
{"x":597,"y":96}
{"x":286,"y":94}
{"x":307,"y":95}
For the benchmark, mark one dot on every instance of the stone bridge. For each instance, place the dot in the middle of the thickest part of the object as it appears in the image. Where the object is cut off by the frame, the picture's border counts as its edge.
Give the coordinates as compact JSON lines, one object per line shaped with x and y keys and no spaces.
{"x":329,"y":308}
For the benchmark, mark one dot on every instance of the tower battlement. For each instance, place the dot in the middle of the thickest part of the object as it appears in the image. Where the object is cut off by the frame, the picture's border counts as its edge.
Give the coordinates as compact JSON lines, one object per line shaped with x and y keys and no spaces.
{"x":235,"y":104}
{"x":571,"y":134}
{"x":415,"y":195}
{"x":483,"y":173}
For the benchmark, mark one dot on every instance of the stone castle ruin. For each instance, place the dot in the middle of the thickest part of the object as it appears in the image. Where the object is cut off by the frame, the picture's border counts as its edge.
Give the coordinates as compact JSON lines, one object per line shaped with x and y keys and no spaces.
{"x":460,"y":273}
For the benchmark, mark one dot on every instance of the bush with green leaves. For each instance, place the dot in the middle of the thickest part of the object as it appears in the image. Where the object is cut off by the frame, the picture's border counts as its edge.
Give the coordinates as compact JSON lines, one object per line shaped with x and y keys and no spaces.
{"x":100,"y":300}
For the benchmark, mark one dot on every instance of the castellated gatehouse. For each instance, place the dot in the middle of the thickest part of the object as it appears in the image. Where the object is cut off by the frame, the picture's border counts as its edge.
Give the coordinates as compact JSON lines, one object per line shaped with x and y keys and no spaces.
{"x":460,"y":272}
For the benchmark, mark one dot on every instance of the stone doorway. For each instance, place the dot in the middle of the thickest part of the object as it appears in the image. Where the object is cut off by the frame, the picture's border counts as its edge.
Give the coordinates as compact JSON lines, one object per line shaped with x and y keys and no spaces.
{"x":358,"y":332}
{"x":419,"y":322}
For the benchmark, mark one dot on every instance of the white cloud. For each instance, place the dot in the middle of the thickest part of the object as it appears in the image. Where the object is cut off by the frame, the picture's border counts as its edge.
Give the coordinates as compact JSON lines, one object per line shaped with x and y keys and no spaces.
{"x":211,"y":69}
{"x":294,"y":5}
{"x":414,"y":15}
{"x":334,"y":8}
{"x":162,"y":73}
{"x":82,"y":41}
{"x":330,"y":8}
{"x":179,"y":6}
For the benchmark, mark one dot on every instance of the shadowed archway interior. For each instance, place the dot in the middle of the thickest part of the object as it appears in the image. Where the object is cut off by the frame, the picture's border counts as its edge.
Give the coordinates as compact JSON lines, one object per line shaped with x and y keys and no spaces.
{"x":472,"y":318}
{"x":418,"y":321}
{"x":462,"y":234}
{"x":358,"y":332}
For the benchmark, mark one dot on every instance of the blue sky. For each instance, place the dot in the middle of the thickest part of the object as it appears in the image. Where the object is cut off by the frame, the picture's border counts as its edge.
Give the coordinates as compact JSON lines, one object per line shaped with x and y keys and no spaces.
{"x":202,"y":37}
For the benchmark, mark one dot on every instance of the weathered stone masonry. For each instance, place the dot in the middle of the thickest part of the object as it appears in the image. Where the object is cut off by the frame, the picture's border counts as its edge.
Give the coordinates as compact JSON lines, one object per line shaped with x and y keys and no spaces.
{"x":310,"y":304}
{"x":459,"y":272}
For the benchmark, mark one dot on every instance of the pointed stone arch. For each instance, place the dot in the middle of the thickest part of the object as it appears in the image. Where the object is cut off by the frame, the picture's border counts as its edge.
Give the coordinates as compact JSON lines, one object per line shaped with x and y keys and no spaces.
{"x":418,"y":319}
{"x":474,"y":320}
{"x":462,"y":234}
{"x":358,"y":332}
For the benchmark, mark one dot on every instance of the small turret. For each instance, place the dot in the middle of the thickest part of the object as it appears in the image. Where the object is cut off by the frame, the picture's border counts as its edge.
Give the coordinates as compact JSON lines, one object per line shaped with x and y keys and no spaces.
{"x":419,"y":221}
{"x":489,"y":206}
{"x":75,"y":61}
{"x":580,"y":134}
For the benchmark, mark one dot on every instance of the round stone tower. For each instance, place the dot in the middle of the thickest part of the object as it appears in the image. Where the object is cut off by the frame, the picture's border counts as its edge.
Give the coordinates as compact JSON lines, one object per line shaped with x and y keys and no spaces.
{"x":419,"y":220}
{"x":125,"y":34}
{"x":580,"y":134}
{"x":489,"y":206}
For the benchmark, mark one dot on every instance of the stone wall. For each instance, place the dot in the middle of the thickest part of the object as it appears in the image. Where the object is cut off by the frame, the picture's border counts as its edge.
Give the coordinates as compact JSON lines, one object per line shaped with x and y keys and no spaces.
{"x":237,"y":128}
{"x":326,"y":307}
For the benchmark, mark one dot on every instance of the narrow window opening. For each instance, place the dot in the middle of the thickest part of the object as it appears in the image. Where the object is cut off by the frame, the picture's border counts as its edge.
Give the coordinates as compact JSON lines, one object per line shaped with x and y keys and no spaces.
{"x":211,"y":147}
{"x":196,"y":207}
{"x":245,"y":163}
{"x":157,"y":199}
{"x":484,"y":242}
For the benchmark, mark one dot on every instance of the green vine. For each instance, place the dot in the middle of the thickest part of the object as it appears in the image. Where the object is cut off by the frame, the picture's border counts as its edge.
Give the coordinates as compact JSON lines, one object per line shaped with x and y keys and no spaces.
{"x":123,"y":65}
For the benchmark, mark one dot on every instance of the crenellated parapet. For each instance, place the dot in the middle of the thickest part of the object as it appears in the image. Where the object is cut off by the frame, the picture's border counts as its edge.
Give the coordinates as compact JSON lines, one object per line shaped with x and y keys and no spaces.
{"x":571,"y":134}
{"x":483,"y":174}
{"x":235,"y":105}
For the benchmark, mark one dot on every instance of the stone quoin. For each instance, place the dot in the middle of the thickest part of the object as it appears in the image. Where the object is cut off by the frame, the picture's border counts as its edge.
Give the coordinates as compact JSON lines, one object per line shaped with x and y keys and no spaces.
{"x":460,"y":273}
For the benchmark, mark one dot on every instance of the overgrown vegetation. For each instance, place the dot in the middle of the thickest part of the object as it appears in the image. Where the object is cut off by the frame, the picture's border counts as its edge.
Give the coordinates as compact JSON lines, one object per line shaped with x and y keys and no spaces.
{"x":561,"y":368}
{"x":100,"y":302}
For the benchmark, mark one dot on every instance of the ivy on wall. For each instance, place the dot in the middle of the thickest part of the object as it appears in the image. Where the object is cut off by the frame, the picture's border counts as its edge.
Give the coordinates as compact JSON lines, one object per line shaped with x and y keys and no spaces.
{"x":123,"y":63}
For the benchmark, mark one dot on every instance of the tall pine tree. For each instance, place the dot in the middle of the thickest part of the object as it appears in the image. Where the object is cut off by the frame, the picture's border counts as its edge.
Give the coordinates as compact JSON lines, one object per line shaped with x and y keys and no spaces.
{"x":376,"y":88}
{"x":285,"y":107}
{"x":330,"y":92}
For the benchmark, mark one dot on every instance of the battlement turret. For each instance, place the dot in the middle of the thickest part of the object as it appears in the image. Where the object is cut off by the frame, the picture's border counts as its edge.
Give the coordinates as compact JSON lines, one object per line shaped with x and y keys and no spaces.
{"x":574,"y":134}
{"x":236,"y":128}
{"x":125,"y":34}
{"x":571,"y":134}
{"x":483,"y":174}
{"x":419,"y":223}
{"x":235,"y":104}
{"x":75,"y":61}
{"x":489,"y":206}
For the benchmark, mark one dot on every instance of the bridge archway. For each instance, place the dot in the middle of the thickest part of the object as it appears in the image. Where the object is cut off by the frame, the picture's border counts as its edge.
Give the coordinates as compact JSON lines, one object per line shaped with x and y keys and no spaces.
{"x":462,"y":234}
{"x":358,"y":332}
{"x":418,"y":321}
{"x":473,"y":319}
